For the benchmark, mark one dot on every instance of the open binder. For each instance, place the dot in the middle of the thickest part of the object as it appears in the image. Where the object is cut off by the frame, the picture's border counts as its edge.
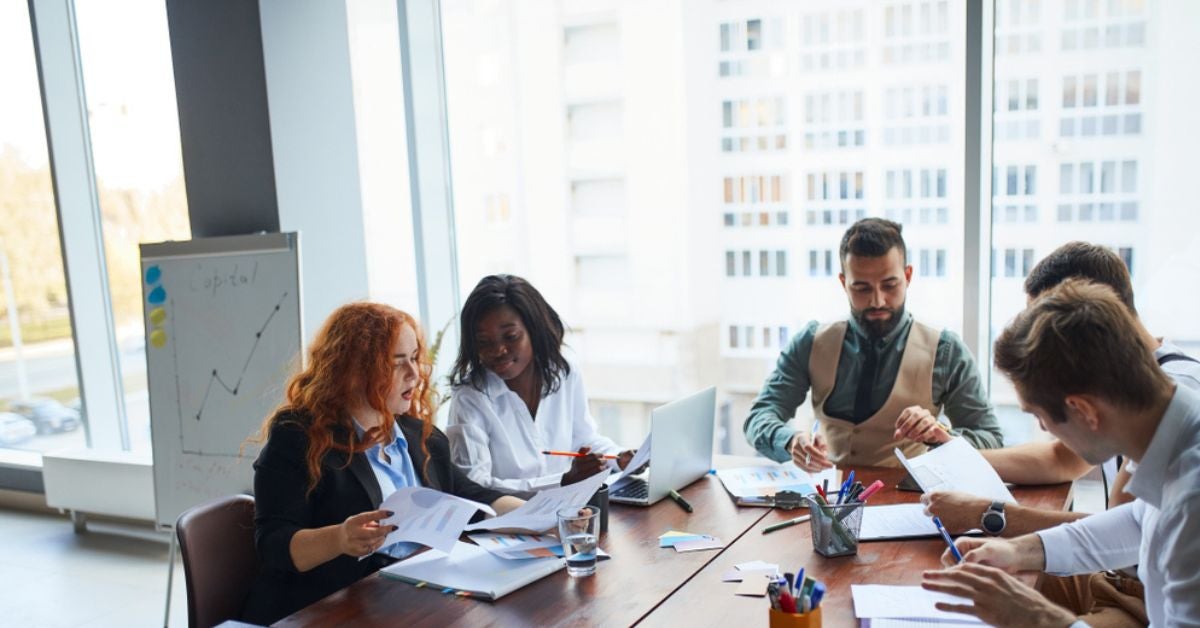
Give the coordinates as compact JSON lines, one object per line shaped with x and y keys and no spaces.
{"x":472,"y":570}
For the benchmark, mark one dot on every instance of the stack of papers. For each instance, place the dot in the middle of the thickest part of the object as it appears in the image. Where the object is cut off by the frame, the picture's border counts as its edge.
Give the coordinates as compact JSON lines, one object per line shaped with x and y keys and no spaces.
{"x":956,"y":466}
{"x":750,"y":485}
{"x":884,"y":604}
{"x":471,"y":571}
{"x":689,"y":542}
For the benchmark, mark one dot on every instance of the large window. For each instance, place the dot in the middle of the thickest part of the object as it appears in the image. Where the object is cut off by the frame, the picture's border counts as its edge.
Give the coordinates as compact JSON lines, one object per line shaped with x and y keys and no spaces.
{"x":139,"y":176}
{"x":39,"y":392}
{"x":1104,"y":162}
{"x":679,"y":192}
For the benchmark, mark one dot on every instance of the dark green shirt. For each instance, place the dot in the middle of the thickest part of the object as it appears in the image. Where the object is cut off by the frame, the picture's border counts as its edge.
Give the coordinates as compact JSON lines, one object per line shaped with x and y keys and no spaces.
{"x":957,"y":387}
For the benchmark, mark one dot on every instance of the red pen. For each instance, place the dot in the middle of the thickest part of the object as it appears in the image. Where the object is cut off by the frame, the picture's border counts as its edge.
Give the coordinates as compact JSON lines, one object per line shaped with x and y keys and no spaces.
{"x":871,"y":490}
{"x":821,"y":492}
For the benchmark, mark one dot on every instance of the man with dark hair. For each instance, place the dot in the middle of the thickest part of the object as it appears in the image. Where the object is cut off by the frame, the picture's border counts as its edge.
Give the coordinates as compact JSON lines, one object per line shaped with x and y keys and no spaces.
{"x":879,"y":380}
{"x":1052,"y":462}
{"x":1078,"y":360}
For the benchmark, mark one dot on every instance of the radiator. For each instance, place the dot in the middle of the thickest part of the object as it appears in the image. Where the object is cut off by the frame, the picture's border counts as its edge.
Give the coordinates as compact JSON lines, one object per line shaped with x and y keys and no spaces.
{"x":117,"y":484}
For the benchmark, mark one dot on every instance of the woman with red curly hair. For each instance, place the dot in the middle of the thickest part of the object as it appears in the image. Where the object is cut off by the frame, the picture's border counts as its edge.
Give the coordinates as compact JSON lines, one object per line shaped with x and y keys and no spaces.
{"x":356,"y":425}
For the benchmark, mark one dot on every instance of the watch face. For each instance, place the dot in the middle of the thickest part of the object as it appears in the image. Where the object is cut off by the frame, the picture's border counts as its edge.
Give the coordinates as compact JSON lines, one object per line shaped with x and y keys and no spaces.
{"x":993,"y":522}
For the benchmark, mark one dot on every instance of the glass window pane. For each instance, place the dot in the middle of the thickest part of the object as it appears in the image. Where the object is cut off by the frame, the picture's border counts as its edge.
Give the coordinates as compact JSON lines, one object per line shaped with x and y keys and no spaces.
{"x":842,"y":169}
{"x":1121,"y":155}
{"x":139,"y":172}
{"x":39,"y":392}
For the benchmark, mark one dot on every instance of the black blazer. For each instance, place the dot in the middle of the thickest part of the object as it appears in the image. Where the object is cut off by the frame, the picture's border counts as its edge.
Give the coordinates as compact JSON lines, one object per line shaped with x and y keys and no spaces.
{"x":282,"y":509}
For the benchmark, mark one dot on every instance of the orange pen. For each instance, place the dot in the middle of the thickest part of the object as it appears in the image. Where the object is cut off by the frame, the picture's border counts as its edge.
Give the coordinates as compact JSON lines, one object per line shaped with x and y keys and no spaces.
{"x":574,"y":454}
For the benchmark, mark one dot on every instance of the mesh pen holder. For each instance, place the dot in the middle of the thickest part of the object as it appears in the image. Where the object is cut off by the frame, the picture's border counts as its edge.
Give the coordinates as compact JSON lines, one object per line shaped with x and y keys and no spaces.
{"x":835,"y":528}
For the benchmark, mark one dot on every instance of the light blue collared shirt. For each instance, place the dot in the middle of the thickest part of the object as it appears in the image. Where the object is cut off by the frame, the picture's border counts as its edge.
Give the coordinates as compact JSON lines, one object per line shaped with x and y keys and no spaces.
{"x":394,"y":473}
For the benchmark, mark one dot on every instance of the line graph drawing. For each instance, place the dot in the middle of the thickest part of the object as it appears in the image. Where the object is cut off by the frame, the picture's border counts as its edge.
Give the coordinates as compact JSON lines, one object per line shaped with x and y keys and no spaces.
{"x":215,"y":376}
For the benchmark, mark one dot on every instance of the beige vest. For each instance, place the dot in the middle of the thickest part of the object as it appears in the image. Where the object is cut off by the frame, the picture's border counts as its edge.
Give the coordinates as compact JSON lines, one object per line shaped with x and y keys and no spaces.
{"x":871,"y":442}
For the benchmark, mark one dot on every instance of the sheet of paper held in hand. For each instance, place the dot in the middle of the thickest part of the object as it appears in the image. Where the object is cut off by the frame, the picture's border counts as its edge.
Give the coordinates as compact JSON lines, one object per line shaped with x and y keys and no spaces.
{"x":956,"y":466}
{"x":428,"y":517}
{"x":639,"y":460}
{"x":540,"y":513}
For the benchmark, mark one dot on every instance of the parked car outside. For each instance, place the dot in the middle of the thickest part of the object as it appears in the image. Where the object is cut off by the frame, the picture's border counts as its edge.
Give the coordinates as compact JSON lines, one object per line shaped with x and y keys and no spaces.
{"x":49,"y":415}
{"x":15,"y":429}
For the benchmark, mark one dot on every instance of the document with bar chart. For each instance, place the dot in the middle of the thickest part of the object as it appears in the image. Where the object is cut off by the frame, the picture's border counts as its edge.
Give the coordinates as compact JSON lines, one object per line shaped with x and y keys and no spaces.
{"x":752,"y":485}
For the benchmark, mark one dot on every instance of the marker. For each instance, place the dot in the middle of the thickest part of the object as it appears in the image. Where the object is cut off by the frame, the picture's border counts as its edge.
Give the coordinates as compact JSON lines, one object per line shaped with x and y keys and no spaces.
{"x":785,"y":524}
{"x":678,"y":499}
{"x":871,"y":490}
{"x":575,"y":454}
{"x":812,"y":440}
{"x":946,"y":535}
{"x":818,"y":592}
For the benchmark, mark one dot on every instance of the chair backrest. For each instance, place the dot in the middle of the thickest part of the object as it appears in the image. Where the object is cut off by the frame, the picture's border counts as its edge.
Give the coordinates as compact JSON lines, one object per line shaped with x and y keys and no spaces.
{"x":216,"y":541}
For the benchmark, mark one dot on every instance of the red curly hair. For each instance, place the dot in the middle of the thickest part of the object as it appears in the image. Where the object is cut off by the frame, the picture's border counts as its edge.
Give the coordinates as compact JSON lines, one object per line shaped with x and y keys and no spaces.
{"x":350,"y":359}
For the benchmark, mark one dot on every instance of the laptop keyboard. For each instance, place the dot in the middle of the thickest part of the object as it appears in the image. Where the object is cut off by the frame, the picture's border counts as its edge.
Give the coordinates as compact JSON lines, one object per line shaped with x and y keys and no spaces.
{"x":635,"y":489}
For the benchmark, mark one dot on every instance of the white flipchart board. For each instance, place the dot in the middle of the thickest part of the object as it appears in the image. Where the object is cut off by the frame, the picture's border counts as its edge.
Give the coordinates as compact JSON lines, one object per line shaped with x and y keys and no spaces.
{"x":223,"y":334}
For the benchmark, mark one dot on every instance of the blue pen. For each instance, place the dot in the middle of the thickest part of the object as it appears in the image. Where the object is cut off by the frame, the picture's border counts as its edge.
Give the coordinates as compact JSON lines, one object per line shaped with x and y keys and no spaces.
{"x":799,"y":582}
{"x":846,"y":486}
{"x":946,"y":535}
{"x":817,"y":594}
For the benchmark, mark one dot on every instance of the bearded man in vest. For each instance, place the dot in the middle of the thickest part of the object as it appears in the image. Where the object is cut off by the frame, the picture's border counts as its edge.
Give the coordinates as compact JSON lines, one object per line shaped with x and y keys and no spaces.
{"x":878,"y":380}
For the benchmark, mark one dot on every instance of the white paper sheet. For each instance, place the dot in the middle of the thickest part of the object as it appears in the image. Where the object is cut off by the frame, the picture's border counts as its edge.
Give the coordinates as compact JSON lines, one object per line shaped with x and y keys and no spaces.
{"x":470,"y":568}
{"x":896,"y":521}
{"x":639,"y":459}
{"x":873,"y":601}
{"x":540,"y":513}
{"x":956,"y":466}
{"x":428,"y":517}
{"x":766,"y":480}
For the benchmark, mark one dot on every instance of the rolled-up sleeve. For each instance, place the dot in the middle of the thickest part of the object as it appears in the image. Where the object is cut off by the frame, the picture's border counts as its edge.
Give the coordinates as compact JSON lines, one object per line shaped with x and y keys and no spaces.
{"x":1105,"y":540}
{"x":958,"y":388}
{"x":281,"y":506}
{"x":766,"y":427}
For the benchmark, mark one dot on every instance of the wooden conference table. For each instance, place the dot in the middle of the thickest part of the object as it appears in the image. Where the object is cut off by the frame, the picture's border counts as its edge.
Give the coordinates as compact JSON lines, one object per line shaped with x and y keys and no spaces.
{"x":646,"y":584}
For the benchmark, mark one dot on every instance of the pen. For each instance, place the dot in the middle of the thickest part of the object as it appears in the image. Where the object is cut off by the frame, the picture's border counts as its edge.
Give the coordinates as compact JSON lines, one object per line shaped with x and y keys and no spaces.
{"x":813,"y":440}
{"x":845,"y":487}
{"x":674,"y":495}
{"x":574,"y":454}
{"x":946,"y":535}
{"x":799,"y":586}
{"x":784,"y":524}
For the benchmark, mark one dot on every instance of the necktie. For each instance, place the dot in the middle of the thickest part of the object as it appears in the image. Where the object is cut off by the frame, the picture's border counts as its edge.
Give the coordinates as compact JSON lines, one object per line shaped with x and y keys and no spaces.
{"x":866,"y":383}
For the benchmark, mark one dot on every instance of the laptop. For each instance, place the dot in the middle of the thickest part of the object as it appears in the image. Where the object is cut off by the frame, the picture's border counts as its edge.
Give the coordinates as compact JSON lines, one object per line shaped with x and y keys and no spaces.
{"x":681,"y":442}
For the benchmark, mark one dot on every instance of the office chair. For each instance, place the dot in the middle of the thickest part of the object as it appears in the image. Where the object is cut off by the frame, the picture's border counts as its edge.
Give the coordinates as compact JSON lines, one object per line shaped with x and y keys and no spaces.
{"x":216,"y":541}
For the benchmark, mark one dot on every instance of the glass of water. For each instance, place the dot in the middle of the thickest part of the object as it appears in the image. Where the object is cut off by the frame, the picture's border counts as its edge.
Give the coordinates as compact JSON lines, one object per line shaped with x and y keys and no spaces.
{"x":579,"y":530}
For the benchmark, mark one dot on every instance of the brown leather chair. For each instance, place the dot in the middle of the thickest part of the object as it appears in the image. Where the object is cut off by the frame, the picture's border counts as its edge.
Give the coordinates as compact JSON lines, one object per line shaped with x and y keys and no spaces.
{"x":216,"y":541}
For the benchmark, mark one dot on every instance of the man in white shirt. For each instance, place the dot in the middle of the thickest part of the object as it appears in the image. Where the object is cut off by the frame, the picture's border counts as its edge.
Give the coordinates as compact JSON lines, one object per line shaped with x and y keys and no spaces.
{"x":1078,"y":362}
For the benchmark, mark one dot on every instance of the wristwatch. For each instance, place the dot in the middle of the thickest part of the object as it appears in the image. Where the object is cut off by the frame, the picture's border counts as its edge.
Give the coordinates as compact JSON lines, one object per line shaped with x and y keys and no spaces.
{"x":993,"y":520}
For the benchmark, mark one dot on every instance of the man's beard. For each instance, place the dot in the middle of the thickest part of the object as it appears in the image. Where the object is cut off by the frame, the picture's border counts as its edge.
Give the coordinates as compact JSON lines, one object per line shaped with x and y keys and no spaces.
{"x":880,"y":327}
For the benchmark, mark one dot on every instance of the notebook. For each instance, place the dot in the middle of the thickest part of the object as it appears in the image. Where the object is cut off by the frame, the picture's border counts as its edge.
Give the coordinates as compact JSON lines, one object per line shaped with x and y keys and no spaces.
{"x":472,"y":570}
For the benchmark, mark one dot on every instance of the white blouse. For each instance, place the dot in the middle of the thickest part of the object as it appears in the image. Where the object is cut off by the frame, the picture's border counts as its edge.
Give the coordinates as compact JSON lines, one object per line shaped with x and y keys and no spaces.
{"x":495,"y":441}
